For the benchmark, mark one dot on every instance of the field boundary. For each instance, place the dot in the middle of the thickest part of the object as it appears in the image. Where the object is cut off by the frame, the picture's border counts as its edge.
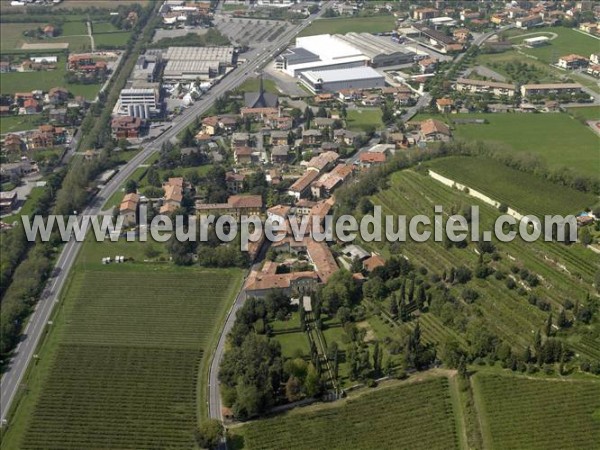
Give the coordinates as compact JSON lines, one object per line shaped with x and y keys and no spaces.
{"x":472,"y":192}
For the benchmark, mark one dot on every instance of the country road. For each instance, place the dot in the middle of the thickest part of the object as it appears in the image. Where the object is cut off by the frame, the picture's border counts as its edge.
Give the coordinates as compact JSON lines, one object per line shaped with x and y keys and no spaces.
{"x":38,"y":320}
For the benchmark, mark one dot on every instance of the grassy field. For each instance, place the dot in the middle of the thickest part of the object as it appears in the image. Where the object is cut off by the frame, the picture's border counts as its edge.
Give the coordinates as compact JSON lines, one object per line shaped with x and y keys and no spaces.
{"x":11,"y":34}
{"x":362,"y":119}
{"x":568,"y":41}
{"x":526,"y":193}
{"x":519,"y":413}
{"x":410,"y":416}
{"x":586,"y":112}
{"x":110,"y":40}
{"x":10,"y":124}
{"x":375,"y":24}
{"x":28,"y":81}
{"x":253,"y":84}
{"x":123,"y":366}
{"x":567,"y":271}
{"x":558,"y":139}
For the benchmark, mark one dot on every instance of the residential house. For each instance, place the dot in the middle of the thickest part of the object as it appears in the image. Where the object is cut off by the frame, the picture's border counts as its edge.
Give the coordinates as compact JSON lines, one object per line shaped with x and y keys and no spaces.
{"x":311,"y":137}
{"x":49,"y":31}
{"x":301,"y":186}
{"x":529,"y":21}
{"x":369,"y":159}
{"x":234,"y":182}
{"x":572,"y":62}
{"x":8,"y":202}
{"x":240,"y":140}
{"x":595,"y":58}
{"x":129,"y":209}
{"x":126,"y":127}
{"x":279,"y":138}
{"x":345,"y":137}
{"x":31,"y":106}
{"x":480,"y":87}
{"x":13,"y":143}
{"x":425,"y":13}
{"x":242,"y":155}
{"x":542,"y":89}
{"x":58,"y":115}
{"x":173,"y":196}
{"x":58,"y":96}
{"x":461,"y":35}
{"x":330,"y":181}
{"x":588,"y":27}
{"x":373,"y":262}
{"x":428,"y":65}
{"x":398,"y":139}
{"x":280,"y":154}
{"x":322,"y":162}
{"x":434,"y":130}
{"x":444,"y":105}
{"x":295,"y":283}
{"x":321,"y":123}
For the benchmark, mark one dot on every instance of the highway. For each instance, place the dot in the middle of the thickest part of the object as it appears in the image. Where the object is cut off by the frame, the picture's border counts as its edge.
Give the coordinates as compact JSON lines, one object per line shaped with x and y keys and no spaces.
{"x":38,"y":320}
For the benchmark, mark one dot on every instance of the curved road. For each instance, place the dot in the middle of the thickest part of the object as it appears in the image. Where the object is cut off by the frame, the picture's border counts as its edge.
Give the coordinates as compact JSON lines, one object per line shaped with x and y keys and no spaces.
{"x":38,"y":320}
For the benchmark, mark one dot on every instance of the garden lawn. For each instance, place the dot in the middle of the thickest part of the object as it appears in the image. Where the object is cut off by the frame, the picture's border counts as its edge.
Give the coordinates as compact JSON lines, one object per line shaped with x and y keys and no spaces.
{"x":11,"y":124}
{"x":363,"y":119}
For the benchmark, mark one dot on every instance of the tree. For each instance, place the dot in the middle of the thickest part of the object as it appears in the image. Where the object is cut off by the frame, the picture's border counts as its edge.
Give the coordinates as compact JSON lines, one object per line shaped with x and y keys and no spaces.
{"x":152,"y":177}
{"x":548,"y":326}
{"x":130,"y":186}
{"x":210,"y":434}
{"x":585,"y":236}
{"x":313,"y":382}
{"x":561,"y":320}
{"x":187,"y":140}
{"x":377,"y":359}
{"x":293,"y":389}
{"x":394,"y":307}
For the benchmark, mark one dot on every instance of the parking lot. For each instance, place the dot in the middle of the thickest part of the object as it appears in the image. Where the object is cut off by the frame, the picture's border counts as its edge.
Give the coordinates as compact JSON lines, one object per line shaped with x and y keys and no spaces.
{"x":178,"y":32}
{"x":250,"y":32}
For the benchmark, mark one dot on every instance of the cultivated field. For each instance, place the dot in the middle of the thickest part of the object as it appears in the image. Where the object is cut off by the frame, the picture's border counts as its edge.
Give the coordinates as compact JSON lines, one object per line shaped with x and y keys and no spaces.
{"x":411,"y":416}
{"x":375,"y":24}
{"x":526,"y":193}
{"x":124,"y":362}
{"x":567,"y":271}
{"x":558,"y":139}
{"x":519,"y":413}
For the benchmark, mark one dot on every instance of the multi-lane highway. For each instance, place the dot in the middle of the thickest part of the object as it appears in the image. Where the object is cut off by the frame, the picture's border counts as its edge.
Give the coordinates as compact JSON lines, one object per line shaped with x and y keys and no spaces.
{"x":38,"y":321}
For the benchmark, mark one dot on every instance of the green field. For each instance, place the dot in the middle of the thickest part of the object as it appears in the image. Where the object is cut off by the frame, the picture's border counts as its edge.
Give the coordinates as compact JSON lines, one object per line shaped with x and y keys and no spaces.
{"x":111,"y":40}
{"x":74,"y":28}
{"x":28,"y":81}
{"x":374,"y":24}
{"x":526,"y":193}
{"x":363,"y":119}
{"x":10,"y":124}
{"x":123,"y":366}
{"x":518,"y":413}
{"x":11,"y":35}
{"x":411,"y":416}
{"x":586,"y":112}
{"x":567,"y":271}
{"x":558,"y":139}
{"x":568,"y":41}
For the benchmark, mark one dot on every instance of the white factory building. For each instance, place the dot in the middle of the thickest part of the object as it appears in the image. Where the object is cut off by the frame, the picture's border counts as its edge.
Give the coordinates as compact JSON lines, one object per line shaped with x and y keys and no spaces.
{"x":136,"y":102}
{"x":338,"y":79}
{"x":191,"y":63}
{"x":333,"y":52}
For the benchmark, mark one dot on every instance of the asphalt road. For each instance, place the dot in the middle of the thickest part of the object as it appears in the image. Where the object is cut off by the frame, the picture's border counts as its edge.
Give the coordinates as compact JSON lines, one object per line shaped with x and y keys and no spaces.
{"x":38,"y":321}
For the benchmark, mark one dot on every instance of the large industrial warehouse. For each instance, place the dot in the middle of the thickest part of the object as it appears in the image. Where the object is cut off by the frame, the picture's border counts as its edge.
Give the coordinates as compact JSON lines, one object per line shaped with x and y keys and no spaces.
{"x":336,"y":80}
{"x":328,"y":52}
{"x":191,"y":63}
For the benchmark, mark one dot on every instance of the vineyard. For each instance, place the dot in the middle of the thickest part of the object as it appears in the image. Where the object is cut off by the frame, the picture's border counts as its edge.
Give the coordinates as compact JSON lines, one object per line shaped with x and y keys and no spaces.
{"x":412,"y":416}
{"x":526,"y":193}
{"x":566,"y":271}
{"x":538,"y":414}
{"x":125,"y":371}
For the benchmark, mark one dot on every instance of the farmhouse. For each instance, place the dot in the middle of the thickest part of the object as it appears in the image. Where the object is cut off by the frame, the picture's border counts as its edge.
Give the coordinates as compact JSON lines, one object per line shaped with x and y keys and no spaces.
{"x":302,"y":184}
{"x":129,"y":209}
{"x":434,"y":130}
{"x":236,"y":206}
